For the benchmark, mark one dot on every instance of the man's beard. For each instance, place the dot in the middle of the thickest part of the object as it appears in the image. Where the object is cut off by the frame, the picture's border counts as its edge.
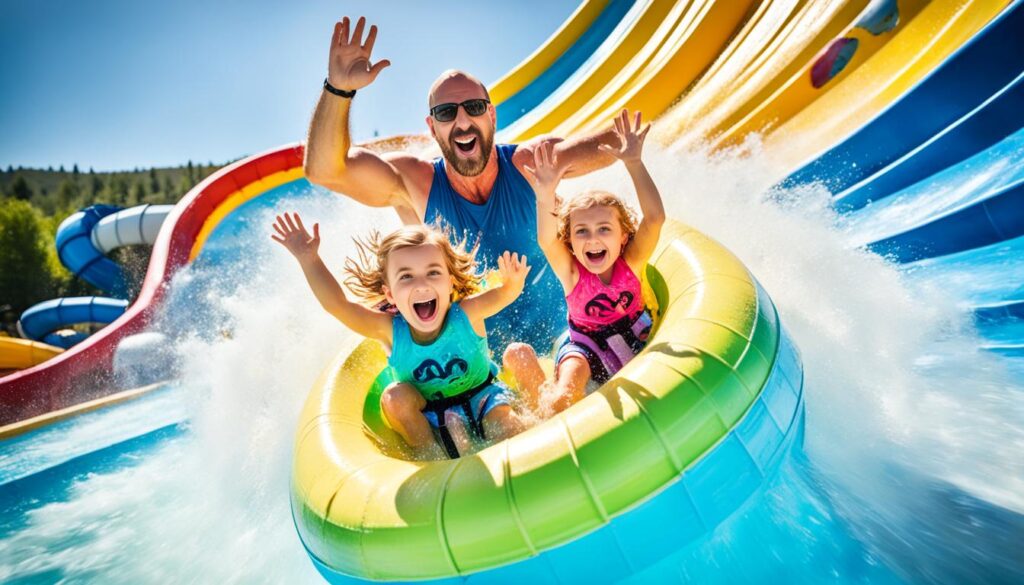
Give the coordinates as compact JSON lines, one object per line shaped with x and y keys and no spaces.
{"x":463,"y":166}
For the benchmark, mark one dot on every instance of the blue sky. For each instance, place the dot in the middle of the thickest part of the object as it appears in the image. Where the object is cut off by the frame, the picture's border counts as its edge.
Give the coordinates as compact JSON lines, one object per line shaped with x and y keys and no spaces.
{"x":115,"y":84}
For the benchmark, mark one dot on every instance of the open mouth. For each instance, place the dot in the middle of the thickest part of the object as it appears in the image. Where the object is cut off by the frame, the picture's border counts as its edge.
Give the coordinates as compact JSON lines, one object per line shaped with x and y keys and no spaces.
{"x":596,"y":257}
{"x":465,"y":144}
{"x":425,"y":310}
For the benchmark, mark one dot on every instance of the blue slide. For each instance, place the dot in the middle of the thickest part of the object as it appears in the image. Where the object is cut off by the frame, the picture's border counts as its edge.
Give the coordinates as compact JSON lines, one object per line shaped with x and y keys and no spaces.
{"x":936,"y":182}
{"x":83,"y":241}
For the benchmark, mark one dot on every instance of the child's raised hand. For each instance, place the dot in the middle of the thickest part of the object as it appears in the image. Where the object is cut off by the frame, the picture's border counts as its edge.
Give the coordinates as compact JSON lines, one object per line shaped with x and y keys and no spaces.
{"x":513,"y":270}
{"x":545,"y":173}
{"x":631,"y":138}
{"x":293,"y":235}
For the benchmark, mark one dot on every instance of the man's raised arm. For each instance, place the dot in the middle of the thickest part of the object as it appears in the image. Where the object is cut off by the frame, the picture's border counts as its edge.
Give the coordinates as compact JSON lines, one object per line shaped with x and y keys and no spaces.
{"x":331,"y":160}
{"x":577,"y":155}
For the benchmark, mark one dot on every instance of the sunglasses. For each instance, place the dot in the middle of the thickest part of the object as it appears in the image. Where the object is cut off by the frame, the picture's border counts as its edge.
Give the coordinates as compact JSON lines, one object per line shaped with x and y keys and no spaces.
{"x":448,"y":112}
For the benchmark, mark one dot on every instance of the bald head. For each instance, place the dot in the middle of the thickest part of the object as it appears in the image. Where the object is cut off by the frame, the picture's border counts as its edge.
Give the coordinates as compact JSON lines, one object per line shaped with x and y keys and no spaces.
{"x":458,"y":84}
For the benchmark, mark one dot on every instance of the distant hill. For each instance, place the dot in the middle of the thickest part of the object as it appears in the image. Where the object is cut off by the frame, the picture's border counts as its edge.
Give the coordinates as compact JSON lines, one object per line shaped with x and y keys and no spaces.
{"x":62,"y":191}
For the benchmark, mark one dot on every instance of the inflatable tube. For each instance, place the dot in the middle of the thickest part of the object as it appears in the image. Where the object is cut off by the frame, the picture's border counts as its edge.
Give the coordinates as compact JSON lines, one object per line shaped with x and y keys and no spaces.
{"x":48,"y":316}
{"x":657,"y":457}
{"x":18,"y":354}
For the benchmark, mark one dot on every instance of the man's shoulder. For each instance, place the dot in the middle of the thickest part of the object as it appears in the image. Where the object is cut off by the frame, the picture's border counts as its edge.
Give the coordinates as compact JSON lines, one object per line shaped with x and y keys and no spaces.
{"x":410,"y":165}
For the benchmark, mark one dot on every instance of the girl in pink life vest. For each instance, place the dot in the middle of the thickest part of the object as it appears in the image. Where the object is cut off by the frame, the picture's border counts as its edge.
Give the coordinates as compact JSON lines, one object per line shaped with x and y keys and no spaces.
{"x":597,"y":250}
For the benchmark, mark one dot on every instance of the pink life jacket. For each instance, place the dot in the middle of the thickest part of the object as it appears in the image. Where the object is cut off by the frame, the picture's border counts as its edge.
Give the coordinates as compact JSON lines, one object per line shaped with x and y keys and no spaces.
{"x":608,"y":319}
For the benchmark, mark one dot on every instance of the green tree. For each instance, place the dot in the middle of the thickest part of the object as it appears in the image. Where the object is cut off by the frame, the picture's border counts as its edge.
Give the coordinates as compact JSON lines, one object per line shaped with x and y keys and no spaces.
{"x":95,"y":184}
{"x":20,"y":189}
{"x":68,"y":193}
{"x":74,"y":170}
{"x":184,"y":184}
{"x":24,"y":275}
{"x":154,"y":183}
{"x":138,"y":194}
{"x":117,"y":189}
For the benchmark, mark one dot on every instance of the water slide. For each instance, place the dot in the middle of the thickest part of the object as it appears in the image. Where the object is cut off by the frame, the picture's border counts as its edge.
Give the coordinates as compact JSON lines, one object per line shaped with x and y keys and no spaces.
{"x":18,"y":354}
{"x":905,"y":111}
{"x":83,"y":241}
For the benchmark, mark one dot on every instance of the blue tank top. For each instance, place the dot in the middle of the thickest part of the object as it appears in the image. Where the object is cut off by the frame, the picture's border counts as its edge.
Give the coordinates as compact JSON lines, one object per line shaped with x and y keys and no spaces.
{"x":456,"y":361}
{"x":506,"y":221}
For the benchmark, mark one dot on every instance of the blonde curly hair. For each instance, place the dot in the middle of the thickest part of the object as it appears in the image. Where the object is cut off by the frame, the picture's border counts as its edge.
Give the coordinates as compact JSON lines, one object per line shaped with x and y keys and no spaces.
{"x":368,"y":273}
{"x":586,"y":200}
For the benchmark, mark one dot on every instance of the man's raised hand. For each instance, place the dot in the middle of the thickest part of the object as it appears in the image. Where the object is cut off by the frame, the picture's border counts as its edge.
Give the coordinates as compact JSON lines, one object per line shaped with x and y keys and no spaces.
{"x":293,"y":235}
{"x":349,"y":67}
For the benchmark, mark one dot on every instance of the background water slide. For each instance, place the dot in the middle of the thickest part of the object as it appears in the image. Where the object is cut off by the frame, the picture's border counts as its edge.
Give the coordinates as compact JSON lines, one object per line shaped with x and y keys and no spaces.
{"x":84,"y":372}
{"x":18,"y":354}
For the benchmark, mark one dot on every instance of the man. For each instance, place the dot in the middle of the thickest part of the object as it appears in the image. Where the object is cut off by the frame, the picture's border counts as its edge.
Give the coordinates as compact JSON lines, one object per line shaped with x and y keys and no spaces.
{"x":478,"y":189}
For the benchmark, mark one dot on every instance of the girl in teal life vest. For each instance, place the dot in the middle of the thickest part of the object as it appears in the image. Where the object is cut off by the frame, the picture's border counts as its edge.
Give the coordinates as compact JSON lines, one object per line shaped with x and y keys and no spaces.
{"x":446,"y":379}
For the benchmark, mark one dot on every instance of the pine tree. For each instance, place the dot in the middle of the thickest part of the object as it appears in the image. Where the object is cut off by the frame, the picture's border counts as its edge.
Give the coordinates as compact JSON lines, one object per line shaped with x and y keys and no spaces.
{"x":118,"y":188}
{"x":68,"y":193}
{"x":20,"y":189}
{"x":138,"y":194}
{"x":95,"y":184}
{"x":74,"y":170}
{"x":191,"y":173}
{"x":154,"y":184}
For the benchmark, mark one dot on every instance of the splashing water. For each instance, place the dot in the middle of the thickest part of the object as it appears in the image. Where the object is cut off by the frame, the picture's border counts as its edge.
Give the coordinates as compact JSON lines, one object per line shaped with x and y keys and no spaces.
{"x":912,"y":471}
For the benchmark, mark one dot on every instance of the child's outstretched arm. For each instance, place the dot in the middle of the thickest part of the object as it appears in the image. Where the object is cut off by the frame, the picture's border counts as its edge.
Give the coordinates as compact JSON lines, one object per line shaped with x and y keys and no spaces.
{"x":513,"y":269}
{"x":631,"y":144}
{"x":544,"y":176}
{"x":293,"y":235}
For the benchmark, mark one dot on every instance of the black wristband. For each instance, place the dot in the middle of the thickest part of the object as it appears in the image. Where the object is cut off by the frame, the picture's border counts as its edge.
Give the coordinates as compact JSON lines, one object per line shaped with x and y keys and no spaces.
{"x":338,"y":92}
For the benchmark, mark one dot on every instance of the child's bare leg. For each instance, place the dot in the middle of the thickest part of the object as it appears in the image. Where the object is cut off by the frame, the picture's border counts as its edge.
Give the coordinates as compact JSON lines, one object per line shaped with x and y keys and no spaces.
{"x":521,"y":360}
{"x":571,"y":382}
{"x":402,"y":405}
{"x":502,"y":422}
{"x":457,"y":431}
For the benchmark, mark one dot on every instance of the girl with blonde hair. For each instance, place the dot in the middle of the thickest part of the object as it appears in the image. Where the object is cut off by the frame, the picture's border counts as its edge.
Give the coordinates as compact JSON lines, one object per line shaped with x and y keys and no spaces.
{"x":437,"y":338}
{"x":596,"y":247}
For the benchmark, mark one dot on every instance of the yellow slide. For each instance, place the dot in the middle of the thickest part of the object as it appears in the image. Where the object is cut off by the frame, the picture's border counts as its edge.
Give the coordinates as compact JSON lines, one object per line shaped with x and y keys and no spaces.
{"x":18,"y":354}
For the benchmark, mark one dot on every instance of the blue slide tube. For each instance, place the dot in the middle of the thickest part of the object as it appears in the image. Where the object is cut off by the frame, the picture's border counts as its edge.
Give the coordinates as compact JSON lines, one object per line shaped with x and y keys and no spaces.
{"x":55,"y":314}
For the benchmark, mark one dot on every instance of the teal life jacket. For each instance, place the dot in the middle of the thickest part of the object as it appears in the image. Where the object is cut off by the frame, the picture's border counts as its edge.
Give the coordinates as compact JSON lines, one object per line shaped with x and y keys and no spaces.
{"x":457,"y":361}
